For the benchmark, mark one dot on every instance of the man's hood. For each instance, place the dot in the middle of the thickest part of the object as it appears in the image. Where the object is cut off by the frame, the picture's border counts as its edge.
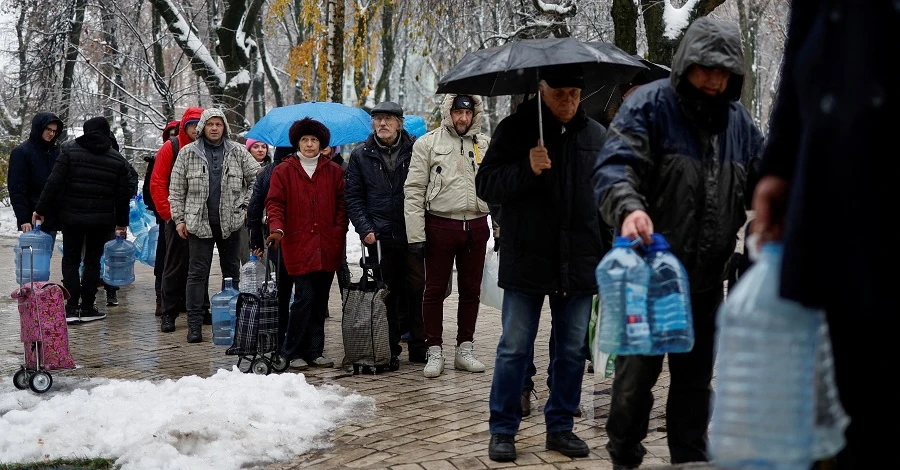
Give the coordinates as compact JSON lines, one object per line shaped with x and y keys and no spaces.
{"x":711,"y":43}
{"x":206,"y":115}
{"x":41,"y":121}
{"x":477,"y":114}
{"x":189,"y":114}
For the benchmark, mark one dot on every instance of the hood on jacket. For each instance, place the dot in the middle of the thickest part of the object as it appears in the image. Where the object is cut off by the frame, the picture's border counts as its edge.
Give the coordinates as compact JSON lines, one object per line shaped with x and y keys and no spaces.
{"x":711,"y":43}
{"x":190,"y":114}
{"x":38,"y":123}
{"x":96,"y":137}
{"x":211,"y":113}
{"x":171,"y":125}
{"x":477,"y":114}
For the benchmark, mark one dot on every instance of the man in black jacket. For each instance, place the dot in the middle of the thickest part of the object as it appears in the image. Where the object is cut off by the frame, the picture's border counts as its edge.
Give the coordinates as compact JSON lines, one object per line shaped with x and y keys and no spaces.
{"x":96,"y":182}
{"x":374,"y":195}
{"x":30,"y":164}
{"x":550,"y":246}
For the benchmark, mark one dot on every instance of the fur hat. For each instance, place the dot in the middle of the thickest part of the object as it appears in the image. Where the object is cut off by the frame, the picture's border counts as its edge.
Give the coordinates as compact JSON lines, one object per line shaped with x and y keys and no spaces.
{"x":309,"y":126}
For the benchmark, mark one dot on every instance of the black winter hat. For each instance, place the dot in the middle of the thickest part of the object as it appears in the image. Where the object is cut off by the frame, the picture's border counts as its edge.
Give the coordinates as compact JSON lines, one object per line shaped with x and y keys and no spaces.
{"x":309,"y":126}
{"x":98,"y":125}
{"x":563,"y":76}
{"x":463,"y":102}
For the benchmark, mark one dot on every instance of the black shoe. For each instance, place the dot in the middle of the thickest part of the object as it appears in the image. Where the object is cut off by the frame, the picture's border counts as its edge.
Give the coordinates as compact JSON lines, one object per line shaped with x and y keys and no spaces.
{"x":502,"y":448}
{"x":72,"y":314}
{"x":112,"y":299}
{"x":567,"y":443}
{"x":91,"y":314}
{"x":168,"y":324}
{"x":418,"y":357}
{"x":526,"y":402}
{"x":207,"y":318}
{"x":195,"y":334}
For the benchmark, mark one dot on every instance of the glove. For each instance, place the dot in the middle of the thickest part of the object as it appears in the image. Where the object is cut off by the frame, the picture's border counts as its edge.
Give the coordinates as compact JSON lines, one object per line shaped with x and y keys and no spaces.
{"x":343,"y":276}
{"x":496,"y":244}
{"x":418,"y":249}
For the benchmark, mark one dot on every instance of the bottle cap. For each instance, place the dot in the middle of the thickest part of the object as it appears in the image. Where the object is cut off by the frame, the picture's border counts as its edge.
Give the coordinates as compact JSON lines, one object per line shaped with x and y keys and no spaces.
{"x":253,"y":257}
{"x":659,"y":243}
{"x":621,"y":242}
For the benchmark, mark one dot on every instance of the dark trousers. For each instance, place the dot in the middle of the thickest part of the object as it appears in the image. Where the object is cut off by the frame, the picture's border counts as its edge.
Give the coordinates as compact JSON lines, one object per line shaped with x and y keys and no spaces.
{"x":285,"y":286}
{"x":688,"y":405}
{"x":305,"y":336}
{"x":448,"y":241}
{"x":404,"y":275}
{"x":201,"y":255}
{"x":91,"y":239}
{"x":175,"y":272}
{"x":159,"y":266}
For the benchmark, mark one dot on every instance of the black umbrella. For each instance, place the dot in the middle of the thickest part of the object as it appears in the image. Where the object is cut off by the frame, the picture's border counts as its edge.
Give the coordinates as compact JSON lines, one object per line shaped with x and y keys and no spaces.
{"x":515,"y":68}
{"x":595,"y":101}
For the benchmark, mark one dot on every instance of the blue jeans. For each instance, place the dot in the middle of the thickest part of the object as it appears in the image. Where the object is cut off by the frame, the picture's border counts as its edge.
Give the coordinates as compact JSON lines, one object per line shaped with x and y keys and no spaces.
{"x":520,"y":318}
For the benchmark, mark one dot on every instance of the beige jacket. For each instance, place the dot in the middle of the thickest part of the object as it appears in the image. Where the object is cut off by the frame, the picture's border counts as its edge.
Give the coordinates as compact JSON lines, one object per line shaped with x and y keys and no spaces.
{"x":441,"y":179}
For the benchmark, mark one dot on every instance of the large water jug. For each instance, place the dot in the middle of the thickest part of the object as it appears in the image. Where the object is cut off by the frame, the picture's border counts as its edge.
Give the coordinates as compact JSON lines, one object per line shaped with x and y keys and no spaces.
{"x":41,"y":244}
{"x":149,"y":256}
{"x":622,"y":278}
{"x":223,"y":317}
{"x":765,"y":394}
{"x":118,"y":262}
{"x":253,"y":275}
{"x":668,"y":300}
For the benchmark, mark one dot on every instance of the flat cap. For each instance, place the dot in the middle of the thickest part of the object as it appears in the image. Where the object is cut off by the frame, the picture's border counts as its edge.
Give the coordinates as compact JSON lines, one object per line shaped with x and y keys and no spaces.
{"x":387,"y":107}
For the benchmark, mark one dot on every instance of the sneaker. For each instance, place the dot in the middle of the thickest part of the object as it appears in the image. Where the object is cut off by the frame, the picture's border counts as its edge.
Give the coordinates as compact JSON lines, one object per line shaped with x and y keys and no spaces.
{"x":112,"y":299}
{"x":90,"y":314}
{"x":567,"y":443}
{"x":321,"y":362}
{"x":195,"y":334}
{"x":167,"y":325}
{"x":72,"y":312}
{"x":435,"y":364}
{"x":502,"y":448}
{"x":465,"y":358}
{"x":298,"y":364}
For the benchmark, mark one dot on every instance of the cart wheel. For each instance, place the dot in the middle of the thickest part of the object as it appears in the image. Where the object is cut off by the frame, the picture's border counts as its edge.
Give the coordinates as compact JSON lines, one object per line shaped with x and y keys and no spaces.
{"x":260,"y":366}
{"x":40,"y":382}
{"x":279,"y":362}
{"x":20,"y":380}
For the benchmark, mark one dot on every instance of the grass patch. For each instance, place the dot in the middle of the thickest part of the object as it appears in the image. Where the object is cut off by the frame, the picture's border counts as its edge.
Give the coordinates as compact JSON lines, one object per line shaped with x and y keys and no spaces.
{"x":63,"y":464}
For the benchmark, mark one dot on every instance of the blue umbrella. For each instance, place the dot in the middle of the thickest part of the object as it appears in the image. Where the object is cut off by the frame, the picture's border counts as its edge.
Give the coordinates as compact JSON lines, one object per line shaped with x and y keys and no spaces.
{"x":346,"y":123}
{"x":415,"y":125}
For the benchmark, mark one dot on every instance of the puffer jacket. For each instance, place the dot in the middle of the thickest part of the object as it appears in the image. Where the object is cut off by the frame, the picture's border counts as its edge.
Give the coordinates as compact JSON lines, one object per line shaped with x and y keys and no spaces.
{"x":30,"y":164}
{"x":375,"y":195}
{"x":694,"y":185}
{"x":189,"y":183}
{"x":441,"y":178}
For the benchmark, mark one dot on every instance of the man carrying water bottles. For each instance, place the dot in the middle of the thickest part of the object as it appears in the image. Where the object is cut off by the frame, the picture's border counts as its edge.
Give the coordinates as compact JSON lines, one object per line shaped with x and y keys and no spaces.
{"x":680,"y":160}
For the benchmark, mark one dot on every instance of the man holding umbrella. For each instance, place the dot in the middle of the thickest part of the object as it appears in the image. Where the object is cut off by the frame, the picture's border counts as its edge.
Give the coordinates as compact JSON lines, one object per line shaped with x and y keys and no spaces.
{"x":550,"y":246}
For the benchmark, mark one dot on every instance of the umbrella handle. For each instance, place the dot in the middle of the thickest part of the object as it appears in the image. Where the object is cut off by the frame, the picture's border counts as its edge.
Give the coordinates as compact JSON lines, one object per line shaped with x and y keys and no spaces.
{"x":540,"y":118}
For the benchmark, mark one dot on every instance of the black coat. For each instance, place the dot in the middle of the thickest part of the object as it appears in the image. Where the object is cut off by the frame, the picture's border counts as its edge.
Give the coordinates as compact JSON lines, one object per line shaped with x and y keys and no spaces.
{"x":30,"y":164}
{"x":550,"y":234}
{"x":91,"y":184}
{"x":374,"y":196}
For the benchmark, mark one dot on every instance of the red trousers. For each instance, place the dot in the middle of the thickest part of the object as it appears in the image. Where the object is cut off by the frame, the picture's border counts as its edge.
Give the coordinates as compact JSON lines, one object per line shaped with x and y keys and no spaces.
{"x":464,"y":242}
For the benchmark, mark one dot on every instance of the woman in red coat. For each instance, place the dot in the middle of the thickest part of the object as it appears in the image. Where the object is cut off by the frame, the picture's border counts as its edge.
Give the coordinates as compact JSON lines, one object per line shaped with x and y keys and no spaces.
{"x":307,"y":218}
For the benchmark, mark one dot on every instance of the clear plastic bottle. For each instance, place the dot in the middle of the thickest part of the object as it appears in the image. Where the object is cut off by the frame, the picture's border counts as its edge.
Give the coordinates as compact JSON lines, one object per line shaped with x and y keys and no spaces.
{"x":223,"y":318}
{"x":41,"y":244}
{"x":622,"y":278}
{"x":764,"y":413}
{"x":668,"y":300}
{"x":253,"y":274}
{"x":118,"y":262}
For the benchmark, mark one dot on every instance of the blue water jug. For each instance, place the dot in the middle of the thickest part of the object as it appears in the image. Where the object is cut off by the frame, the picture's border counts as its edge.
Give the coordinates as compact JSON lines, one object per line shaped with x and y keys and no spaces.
{"x":118,"y":262}
{"x":622,"y":278}
{"x":764,"y":414}
{"x":41,"y":244}
{"x":223,"y":314}
{"x":148,"y":256}
{"x":668,"y":300}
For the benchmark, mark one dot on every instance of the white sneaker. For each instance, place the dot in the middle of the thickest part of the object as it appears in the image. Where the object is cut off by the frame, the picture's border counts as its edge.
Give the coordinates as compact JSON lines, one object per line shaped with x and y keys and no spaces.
{"x":435,"y":364}
{"x":298,"y":364}
{"x":465,"y":358}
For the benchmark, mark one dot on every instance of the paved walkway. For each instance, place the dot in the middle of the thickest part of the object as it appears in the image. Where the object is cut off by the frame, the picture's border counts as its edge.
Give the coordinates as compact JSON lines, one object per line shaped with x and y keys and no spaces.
{"x":420,"y":423}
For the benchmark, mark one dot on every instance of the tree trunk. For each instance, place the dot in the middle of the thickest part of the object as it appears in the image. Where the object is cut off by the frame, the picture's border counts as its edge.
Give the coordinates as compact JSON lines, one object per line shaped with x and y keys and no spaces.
{"x":661,"y":49}
{"x":159,"y":65}
{"x":274,"y":84}
{"x":336,"y":51}
{"x":625,"y":16}
{"x":257,"y":89}
{"x":74,"y":42}
{"x":108,"y":34}
{"x":382,"y":89}
{"x":360,"y":43}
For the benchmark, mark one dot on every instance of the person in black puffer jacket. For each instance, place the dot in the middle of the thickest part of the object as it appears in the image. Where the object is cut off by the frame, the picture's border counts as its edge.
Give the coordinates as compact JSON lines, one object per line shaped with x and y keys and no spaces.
{"x":30,"y":164}
{"x":96,"y":182}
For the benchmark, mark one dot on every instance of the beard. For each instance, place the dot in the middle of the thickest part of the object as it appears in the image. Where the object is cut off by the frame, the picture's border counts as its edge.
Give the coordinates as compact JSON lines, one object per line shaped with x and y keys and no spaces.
{"x":709,"y":113}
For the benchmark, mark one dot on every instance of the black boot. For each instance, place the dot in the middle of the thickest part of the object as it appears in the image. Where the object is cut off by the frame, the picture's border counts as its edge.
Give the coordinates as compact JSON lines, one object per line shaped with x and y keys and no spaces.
{"x":567,"y":443}
{"x":502,"y":448}
{"x":168,"y":324}
{"x":195,"y":334}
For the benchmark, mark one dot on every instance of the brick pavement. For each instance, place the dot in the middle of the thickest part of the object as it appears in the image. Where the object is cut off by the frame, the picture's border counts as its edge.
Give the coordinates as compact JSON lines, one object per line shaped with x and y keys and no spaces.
{"x":432,"y":424}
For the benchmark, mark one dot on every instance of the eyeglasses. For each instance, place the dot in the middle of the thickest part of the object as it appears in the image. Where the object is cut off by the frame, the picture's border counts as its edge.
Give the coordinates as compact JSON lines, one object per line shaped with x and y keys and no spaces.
{"x":382,"y":117}
{"x":51,"y":130}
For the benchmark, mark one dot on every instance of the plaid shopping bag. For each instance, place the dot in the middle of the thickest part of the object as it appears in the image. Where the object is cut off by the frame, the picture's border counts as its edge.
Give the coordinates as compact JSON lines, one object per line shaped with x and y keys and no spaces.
{"x":256,"y":325}
{"x":364,"y":324}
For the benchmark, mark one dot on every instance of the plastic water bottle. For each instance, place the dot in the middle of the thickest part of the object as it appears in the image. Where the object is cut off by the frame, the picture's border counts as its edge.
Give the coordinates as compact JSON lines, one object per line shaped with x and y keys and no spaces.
{"x":149,"y":257}
{"x":253,"y":274}
{"x":668,"y":300}
{"x":831,"y":419}
{"x":223,"y":317}
{"x":41,"y":244}
{"x":118,"y":262}
{"x":764,"y":413}
{"x":622,"y":277}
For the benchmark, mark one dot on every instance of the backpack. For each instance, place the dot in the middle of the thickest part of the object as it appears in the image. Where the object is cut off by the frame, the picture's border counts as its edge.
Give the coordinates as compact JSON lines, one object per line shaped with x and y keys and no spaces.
{"x":151,"y":162}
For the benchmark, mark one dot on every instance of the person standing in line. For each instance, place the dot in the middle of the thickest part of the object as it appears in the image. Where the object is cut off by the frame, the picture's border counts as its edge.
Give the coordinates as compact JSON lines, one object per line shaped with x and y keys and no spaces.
{"x":175,"y":262}
{"x":550,"y":246}
{"x":446,"y":222}
{"x":375,"y":176}
{"x":30,"y":164}
{"x":90,"y":184}
{"x":260,"y":152}
{"x":208,"y":195}
{"x":307,"y":220}
{"x":681,"y":160}
{"x":834,"y":120}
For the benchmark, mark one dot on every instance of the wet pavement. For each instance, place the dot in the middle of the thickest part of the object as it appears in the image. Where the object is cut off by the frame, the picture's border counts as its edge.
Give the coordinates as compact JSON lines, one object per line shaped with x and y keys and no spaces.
{"x":420,"y":423}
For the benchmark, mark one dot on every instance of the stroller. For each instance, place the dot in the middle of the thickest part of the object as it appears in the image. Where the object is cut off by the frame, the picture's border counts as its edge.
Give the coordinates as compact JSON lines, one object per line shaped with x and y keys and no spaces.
{"x":43,"y":331}
{"x":256,"y":329}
